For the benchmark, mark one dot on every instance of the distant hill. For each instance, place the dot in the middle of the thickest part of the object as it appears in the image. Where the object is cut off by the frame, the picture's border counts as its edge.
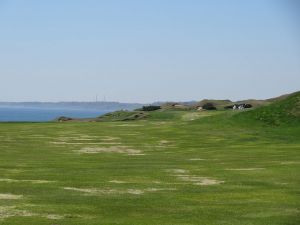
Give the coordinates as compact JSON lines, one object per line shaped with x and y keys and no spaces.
{"x":114,"y":106}
{"x":219,"y":104}
{"x":275,"y":111}
{"x":107,"y":106}
{"x":187,"y":103}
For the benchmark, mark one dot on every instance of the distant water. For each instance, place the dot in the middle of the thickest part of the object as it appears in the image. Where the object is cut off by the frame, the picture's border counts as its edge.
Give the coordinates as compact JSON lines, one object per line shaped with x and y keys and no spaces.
{"x":44,"y":114}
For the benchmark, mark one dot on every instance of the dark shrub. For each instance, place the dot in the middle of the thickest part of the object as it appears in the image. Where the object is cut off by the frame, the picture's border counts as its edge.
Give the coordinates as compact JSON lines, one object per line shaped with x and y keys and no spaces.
{"x":150,"y":108}
{"x":209,"y":106}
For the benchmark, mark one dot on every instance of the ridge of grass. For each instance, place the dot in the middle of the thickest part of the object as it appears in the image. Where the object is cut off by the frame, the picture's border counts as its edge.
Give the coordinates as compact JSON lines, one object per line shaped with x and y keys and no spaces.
{"x":280,"y":112}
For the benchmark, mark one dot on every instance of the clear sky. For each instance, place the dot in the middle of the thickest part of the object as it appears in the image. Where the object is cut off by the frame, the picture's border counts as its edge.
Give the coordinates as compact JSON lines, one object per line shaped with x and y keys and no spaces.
{"x":148,"y":50}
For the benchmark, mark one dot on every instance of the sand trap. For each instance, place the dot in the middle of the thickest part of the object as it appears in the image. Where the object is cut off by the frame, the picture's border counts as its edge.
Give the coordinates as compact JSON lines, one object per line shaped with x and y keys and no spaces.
{"x":10,"y":196}
{"x":112,"y":149}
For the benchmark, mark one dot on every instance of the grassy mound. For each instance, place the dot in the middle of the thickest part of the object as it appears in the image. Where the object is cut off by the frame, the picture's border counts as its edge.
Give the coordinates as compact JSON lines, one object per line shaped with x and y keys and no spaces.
{"x":282,"y":111}
{"x":123,"y":116}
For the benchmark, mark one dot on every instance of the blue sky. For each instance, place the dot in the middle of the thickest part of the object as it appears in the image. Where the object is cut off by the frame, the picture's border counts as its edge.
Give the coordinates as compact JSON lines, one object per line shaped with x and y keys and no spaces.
{"x":148,"y":50}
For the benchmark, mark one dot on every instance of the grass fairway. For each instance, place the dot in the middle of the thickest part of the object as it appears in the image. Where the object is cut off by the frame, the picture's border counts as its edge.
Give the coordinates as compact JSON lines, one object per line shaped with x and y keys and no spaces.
{"x":172,"y":168}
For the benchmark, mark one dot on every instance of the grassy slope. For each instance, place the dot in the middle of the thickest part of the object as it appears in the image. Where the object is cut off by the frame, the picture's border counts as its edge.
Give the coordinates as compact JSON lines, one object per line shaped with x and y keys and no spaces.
{"x":259,"y":165}
{"x":281,"y":112}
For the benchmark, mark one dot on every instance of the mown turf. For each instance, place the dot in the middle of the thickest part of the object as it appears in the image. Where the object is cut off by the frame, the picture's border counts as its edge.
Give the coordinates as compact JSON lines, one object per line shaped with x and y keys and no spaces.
{"x":250,"y":171}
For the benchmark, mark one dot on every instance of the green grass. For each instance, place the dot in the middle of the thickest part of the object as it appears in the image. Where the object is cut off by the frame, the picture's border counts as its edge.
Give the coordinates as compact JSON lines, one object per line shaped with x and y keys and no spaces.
{"x":251,"y":170}
{"x":282,"y":112}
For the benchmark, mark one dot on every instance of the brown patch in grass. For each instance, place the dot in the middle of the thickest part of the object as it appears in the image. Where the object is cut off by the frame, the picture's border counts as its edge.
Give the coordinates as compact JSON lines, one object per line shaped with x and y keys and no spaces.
{"x":135,"y":191}
{"x":289,"y":162}
{"x":117,"y":182}
{"x":137,"y":154}
{"x":109,"y":138}
{"x":8,"y":196}
{"x":246,"y":169}
{"x":31,"y":181}
{"x":112,"y":149}
{"x":196,"y":180}
{"x":163,"y":142}
{"x":96,"y":191}
{"x":199,"y":180}
{"x":12,"y":211}
{"x":178,"y":171}
{"x":160,"y":189}
{"x":15,"y":170}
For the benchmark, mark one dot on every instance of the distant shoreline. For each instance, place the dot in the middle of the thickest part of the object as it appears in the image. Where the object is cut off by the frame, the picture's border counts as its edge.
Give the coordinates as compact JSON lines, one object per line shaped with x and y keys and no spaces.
{"x":43,"y":114}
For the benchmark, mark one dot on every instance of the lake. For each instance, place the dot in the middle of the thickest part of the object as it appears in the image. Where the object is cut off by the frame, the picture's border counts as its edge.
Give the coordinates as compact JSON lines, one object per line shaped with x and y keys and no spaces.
{"x":44,"y":114}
